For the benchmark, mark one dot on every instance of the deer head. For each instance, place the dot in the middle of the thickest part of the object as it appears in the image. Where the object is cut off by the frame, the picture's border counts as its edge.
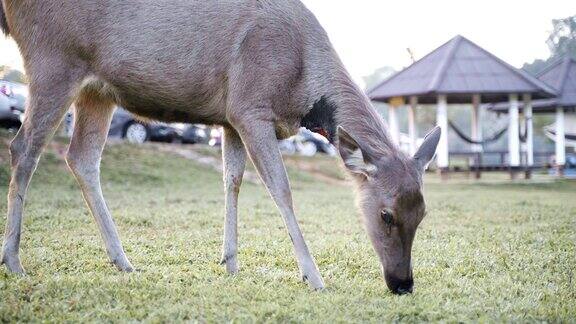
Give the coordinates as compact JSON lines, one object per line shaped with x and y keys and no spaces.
{"x":390,"y":197}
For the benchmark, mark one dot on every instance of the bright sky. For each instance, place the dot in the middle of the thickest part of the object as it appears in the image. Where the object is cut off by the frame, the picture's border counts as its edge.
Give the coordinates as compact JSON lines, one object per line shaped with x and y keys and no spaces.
{"x":370,"y":34}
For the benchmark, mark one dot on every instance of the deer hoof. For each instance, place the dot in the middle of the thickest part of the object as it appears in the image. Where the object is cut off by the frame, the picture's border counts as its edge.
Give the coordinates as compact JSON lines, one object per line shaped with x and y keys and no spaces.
{"x":314,"y":280}
{"x":123,"y":265}
{"x":13,"y":264}
{"x":231,"y":263}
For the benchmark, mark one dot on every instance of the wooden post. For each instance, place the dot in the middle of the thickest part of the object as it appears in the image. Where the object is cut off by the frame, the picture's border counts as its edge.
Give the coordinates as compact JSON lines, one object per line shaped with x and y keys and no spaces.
{"x":443,"y":157}
{"x":560,"y":142}
{"x":527,"y":98}
{"x":477,"y":132}
{"x":393,"y":124}
{"x":513,"y":136}
{"x":412,"y":131}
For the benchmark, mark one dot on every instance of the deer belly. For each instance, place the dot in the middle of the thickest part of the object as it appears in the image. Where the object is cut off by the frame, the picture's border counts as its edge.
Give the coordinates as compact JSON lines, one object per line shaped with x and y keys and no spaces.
{"x":172,"y":113}
{"x":172,"y":106}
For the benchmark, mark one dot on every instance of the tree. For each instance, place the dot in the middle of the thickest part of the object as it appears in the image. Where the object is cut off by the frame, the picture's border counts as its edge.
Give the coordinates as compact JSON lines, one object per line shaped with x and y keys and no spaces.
{"x":562,"y":41}
{"x":536,"y":67}
{"x":378,"y":76}
{"x":15,"y":76}
{"x":9,"y":74}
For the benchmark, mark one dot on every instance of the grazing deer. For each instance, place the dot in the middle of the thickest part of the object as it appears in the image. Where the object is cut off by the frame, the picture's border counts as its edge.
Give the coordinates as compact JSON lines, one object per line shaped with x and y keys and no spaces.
{"x":260,"y":68}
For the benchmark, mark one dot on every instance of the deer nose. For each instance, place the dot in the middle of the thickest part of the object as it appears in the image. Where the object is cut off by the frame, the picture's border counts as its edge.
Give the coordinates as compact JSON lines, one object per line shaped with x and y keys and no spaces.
{"x":399,"y":286}
{"x":405,"y":288}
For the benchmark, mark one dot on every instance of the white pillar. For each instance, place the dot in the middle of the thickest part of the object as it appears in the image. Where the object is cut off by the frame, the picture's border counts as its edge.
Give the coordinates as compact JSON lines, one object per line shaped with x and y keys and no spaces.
{"x":393,"y":124}
{"x":560,"y":138}
{"x":412,"y":131}
{"x":514,"y":132}
{"x":476,"y":123}
{"x":442,"y":121}
{"x":529,"y":130}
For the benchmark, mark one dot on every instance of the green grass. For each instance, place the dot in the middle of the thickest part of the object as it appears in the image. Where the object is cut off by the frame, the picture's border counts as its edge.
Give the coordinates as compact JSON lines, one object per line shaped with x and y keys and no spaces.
{"x":486,"y":252}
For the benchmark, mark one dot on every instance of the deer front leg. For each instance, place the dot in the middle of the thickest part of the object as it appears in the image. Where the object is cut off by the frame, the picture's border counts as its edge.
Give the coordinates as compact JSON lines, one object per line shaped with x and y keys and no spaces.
{"x":50,"y":95}
{"x":234,"y":158}
{"x":259,"y":138}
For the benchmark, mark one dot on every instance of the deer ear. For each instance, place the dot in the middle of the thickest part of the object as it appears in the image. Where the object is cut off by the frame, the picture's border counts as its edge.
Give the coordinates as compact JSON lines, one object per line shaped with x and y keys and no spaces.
{"x":355,"y":159}
{"x":428,"y":148}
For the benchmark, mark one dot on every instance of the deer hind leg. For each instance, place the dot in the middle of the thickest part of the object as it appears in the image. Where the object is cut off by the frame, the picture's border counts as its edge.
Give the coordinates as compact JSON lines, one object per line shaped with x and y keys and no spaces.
{"x":92,"y":121}
{"x":259,"y":137}
{"x":50,"y":96}
{"x":234,"y":158}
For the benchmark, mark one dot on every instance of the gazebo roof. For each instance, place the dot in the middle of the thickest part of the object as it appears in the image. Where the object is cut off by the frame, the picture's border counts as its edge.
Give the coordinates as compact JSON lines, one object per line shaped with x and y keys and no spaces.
{"x":561,"y":76}
{"x":458,"y":69}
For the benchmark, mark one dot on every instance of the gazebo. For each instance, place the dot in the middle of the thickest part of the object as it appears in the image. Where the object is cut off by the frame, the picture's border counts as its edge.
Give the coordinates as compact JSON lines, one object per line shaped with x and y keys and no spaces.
{"x":561,"y":76}
{"x":461,"y":72}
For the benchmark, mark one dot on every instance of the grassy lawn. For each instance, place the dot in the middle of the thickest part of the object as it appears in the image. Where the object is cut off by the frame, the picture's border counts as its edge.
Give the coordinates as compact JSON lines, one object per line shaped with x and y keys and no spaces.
{"x":492,"y":251}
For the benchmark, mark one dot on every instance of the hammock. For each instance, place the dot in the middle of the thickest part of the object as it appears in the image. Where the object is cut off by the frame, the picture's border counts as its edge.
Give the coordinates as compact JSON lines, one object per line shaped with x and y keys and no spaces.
{"x":467,"y":139}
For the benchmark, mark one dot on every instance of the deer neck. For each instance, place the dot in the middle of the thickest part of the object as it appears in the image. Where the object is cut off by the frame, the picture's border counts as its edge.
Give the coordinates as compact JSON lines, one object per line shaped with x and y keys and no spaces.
{"x":354,"y":112}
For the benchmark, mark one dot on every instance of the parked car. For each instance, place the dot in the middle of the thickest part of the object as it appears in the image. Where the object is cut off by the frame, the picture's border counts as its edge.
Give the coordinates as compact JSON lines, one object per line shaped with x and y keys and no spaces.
{"x":12,"y":102}
{"x":320,"y":142}
{"x":125,"y":125}
{"x":215,"y":137}
{"x":307,"y":143}
{"x":194,"y":134}
{"x":569,"y":166}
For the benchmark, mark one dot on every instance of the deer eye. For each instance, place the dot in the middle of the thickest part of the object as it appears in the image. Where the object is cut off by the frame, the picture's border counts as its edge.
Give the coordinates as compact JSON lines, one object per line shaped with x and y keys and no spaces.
{"x":387,"y":217}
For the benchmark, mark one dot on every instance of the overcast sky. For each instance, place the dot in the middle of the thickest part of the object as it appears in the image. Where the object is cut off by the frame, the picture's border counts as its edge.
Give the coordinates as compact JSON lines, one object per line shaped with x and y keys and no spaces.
{"x":370,"y":34}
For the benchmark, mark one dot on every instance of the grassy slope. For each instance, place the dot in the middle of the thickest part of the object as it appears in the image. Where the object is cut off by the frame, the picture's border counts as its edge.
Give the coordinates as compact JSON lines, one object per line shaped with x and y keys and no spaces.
{"x":488,"y":252}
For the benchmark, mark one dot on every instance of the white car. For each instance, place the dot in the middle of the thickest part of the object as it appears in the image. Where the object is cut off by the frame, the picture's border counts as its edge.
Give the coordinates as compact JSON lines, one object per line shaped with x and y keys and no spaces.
{"x":11,"y":110}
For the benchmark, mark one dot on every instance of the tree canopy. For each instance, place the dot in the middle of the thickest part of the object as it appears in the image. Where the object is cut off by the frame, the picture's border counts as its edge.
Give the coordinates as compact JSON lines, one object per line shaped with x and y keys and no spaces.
{"x":561,"y":41}
{"x":12,"y":75}
{"x":378,"y":76}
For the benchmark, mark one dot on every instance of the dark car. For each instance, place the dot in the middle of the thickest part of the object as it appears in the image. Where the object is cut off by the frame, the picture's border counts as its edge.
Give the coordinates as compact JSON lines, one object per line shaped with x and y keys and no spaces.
{"x":195,"y":134}
{"x":125,"y":125}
